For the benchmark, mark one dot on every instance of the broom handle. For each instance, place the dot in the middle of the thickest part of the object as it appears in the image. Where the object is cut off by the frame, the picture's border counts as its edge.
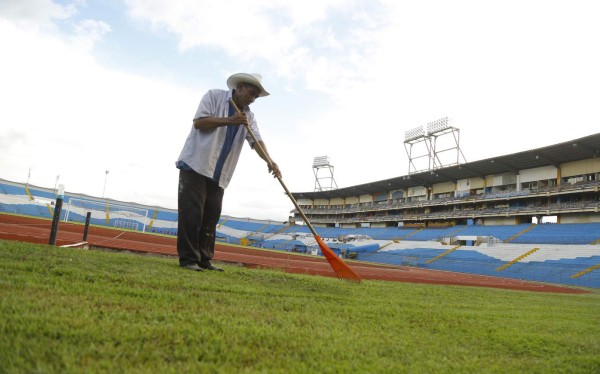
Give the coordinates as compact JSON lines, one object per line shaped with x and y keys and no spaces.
{"x":270,"y":163}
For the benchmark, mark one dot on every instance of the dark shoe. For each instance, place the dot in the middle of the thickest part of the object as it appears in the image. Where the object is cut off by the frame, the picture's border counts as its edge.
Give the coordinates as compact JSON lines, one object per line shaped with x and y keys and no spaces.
{"x":193,"y":267}
{"x":210,"y":267}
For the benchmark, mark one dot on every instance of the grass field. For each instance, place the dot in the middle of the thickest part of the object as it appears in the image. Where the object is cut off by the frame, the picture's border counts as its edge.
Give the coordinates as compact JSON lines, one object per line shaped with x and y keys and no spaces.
{"x":72,"y":310}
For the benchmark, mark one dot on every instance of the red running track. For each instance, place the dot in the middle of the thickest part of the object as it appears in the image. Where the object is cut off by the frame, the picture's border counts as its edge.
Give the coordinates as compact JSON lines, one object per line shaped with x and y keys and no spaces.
{"x":34,"y":230}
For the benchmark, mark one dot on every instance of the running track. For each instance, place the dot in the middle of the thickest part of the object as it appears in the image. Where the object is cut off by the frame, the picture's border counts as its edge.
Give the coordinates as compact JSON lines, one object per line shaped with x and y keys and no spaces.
{"x":33,"y":230}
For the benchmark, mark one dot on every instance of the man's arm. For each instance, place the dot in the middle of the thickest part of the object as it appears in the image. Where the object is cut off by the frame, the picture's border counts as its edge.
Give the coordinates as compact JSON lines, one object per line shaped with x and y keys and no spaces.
{"x":213,"y":122}
{"x":262,"y":152}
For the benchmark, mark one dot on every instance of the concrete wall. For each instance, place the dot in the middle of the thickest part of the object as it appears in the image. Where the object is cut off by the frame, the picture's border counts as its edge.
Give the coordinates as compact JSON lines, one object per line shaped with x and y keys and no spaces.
{"x":579,"y":218}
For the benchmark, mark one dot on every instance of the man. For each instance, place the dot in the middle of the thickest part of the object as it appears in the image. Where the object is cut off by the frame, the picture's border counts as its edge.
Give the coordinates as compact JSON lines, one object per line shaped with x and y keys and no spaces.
{"x":206,"y":164}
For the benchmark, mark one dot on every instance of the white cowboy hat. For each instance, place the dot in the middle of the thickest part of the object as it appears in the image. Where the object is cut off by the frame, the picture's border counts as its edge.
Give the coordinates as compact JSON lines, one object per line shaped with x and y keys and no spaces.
{"x":253,"y":79}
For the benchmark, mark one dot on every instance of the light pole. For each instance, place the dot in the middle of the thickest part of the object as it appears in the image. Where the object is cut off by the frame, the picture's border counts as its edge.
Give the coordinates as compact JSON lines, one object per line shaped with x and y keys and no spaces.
{"x":104,"y":189}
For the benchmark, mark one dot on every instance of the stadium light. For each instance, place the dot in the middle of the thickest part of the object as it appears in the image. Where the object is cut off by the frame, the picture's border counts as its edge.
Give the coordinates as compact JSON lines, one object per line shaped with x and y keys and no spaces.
{"x":415,"y":133}
{"x":321,"y":161}
{"x":437,"y":126}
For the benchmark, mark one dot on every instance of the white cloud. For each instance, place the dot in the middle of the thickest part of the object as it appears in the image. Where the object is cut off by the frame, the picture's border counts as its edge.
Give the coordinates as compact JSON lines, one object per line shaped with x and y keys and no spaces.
{"x":296,"y":40}
{"x":35,"y":14}
{"x":88,"y":32}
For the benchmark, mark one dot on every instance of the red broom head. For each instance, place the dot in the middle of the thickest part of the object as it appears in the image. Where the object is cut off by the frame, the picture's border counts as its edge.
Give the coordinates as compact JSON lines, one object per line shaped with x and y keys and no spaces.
{"x":342,"y":270}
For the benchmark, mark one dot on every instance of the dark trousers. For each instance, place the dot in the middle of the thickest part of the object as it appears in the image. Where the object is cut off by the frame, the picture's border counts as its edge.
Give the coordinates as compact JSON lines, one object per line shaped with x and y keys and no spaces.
{"x":199,"y":206}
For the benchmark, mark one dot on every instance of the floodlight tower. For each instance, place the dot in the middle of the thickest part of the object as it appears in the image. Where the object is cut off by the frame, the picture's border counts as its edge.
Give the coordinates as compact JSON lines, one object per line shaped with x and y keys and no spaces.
{"x":441,"y":129}
{"x":322,"y":163}
{"x":417,"y":137}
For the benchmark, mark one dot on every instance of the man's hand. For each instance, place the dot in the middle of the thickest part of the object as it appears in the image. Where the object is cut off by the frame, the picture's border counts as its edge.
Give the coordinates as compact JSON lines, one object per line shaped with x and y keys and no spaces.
{"x":239,"y":118}
{"x":274,"y":169}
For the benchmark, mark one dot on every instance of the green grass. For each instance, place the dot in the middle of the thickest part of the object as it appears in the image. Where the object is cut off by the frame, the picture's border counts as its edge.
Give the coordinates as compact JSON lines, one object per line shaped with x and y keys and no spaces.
{"x":72,"y":310}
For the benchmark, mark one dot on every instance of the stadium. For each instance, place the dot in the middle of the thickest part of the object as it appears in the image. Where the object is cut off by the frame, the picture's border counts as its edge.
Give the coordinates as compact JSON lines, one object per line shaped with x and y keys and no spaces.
{"x":531,"y":215}
{"x":482,"y":261}
{"x":479,"y":267}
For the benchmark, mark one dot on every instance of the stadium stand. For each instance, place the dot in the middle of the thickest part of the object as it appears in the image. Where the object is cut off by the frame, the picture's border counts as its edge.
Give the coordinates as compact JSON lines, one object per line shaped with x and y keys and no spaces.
{"x":568,"y":233}
{"x":488,"y":225}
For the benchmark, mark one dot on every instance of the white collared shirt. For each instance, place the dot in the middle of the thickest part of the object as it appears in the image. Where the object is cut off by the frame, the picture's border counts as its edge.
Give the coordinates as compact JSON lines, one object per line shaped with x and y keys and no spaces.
{"x":203,"y":146}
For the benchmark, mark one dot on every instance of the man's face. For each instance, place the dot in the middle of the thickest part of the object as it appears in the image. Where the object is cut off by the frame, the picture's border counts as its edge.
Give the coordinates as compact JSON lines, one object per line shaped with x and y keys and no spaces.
{"x":246,"y":93}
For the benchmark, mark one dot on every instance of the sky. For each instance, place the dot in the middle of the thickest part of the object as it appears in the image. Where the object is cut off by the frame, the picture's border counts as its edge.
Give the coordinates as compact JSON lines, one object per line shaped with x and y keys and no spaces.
{"x":99,"y":95}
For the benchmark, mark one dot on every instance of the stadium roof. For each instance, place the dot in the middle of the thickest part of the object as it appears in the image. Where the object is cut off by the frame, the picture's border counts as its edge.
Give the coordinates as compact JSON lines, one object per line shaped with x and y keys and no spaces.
{"x":553,"y":155}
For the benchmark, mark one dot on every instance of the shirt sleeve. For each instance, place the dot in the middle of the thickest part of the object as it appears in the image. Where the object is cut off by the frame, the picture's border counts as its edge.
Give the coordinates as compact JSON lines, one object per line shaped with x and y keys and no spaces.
{"x":207,"y":106}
